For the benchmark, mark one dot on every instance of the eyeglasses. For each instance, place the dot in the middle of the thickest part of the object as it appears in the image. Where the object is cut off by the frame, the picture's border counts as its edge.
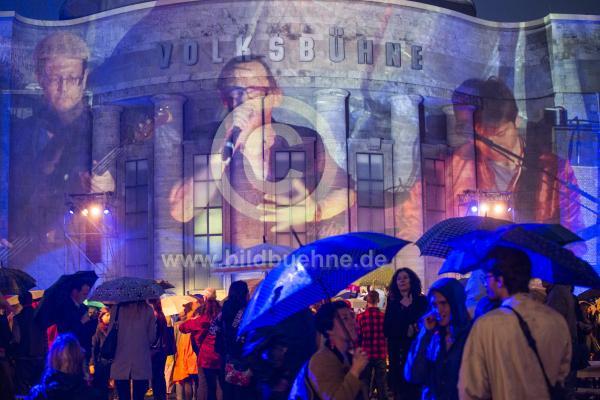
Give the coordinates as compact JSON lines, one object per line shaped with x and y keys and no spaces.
{"x":58,"y":81}
{"x":238,"y":94}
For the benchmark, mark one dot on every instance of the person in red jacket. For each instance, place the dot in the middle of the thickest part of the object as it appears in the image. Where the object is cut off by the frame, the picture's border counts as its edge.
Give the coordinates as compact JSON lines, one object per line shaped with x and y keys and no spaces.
{"x":372,"y":340}
{"x":204,"y":338}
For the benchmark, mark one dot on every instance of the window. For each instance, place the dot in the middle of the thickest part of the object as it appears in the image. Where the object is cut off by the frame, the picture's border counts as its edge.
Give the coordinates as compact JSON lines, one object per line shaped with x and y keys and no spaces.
{"x":290,"y":175}
{"x":435,"y":191}
{"x":208,"y":206}
{"x":370,"y":192}
{"x":136,"y":213}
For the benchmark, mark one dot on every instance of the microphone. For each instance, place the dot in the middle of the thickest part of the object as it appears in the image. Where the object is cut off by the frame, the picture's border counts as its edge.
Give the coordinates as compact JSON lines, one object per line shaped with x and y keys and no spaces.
{"x":230,"y":144}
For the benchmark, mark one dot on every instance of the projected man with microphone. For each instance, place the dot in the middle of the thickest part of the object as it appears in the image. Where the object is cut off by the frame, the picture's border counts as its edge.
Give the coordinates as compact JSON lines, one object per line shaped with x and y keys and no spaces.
{"x":278,"y":177}
{"x":271,"y":161}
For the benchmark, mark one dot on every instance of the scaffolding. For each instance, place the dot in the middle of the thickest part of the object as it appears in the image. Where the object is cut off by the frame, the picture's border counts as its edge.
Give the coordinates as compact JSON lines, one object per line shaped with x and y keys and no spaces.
{"x":90,"y":233}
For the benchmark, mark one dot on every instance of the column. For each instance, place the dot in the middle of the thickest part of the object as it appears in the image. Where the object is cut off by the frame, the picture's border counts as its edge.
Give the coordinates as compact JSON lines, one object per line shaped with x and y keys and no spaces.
{"x":408,"y":197}
{"x":168,"y":172}
{"x":460,"y":131}
{"x":105,"y":150}
{"x":332,"y":127}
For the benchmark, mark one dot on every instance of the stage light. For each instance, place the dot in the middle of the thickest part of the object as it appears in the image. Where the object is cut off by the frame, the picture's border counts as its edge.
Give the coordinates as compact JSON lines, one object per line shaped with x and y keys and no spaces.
{"x":106,"y":211}
{"x":485,"y":208}
{"x":509,"y":209}
{"x":499,"y":208}
{"x":474,"y":209}
{"x":85,"y":212}
{"x":95,"y":211}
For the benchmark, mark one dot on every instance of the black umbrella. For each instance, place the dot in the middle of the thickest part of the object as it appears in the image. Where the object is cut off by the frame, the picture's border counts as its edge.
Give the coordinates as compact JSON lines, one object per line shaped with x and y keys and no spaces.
{"x":434,"y":242}
{"x":59,"y":293}
{"x":553,"y":232}
{"x":549,"y":261}
{"x":15,"y":281}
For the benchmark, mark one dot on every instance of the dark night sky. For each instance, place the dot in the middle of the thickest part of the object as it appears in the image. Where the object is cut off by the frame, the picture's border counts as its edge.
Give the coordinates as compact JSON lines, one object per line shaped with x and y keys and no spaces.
{"x":498,"y":10}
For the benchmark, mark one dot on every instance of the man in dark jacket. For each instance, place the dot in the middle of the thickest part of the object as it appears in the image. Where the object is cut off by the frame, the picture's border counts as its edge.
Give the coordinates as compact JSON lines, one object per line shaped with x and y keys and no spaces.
{"x":74,"y":315}
{"x":31,"y":346}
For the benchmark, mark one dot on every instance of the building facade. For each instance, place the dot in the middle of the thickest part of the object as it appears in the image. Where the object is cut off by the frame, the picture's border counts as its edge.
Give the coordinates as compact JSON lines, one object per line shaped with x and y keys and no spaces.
{"x":374,"y":126}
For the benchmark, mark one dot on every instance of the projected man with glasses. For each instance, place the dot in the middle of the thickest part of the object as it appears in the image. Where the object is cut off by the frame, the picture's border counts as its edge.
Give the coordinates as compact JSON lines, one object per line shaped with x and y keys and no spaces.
{"x":50,"y":150}
{"x":269,"y":169}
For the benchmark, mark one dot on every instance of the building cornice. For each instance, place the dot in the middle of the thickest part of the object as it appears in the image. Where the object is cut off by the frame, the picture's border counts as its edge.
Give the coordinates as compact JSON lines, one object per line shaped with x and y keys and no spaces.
{"x":401,"y":3}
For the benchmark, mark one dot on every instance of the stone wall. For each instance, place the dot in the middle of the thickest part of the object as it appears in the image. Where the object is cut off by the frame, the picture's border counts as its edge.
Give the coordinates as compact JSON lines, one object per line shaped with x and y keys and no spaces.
{"x":178,"y":48}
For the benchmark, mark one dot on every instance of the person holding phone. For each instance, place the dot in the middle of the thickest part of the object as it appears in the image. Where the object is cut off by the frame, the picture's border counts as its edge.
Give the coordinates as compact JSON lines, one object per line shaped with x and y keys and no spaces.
{"x":435,"y":356}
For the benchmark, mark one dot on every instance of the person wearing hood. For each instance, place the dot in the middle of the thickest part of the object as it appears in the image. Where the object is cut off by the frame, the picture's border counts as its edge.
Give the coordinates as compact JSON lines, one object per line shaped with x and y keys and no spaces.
{"x":435,"y":356}
{"x":64,"y":375}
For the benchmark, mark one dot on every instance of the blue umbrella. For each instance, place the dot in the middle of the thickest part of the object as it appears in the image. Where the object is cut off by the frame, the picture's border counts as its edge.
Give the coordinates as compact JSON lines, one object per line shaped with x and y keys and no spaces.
{"x":549,"y":261}
{"x":317,"y":271}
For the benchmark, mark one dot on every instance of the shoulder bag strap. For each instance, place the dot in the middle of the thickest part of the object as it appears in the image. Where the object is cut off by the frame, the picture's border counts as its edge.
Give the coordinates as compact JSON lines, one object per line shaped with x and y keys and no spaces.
{"x":531,"y":343}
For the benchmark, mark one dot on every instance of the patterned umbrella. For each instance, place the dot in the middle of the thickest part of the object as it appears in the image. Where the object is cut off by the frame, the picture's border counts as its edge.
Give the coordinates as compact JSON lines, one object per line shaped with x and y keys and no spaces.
{"x":317,"y":271}
{"x":122,"y":290}
{"x":15,"y":281}
{"x":549,"y":261}
{"x":554,"y":232}
{"x":434,"y":241}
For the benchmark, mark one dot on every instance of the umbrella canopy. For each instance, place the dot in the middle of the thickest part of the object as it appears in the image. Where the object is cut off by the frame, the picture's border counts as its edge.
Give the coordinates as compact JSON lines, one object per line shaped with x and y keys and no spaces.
{"x":172,"y":305}
{"x":126,"y":289}
{"x":59,"y":293}
{"x":15,"y":281}
{"x":549,"y":261}
{"x":317,"y":271}
{"x":434,"y":242}
{"x":380,"y":277}
{"x":553,"y":232}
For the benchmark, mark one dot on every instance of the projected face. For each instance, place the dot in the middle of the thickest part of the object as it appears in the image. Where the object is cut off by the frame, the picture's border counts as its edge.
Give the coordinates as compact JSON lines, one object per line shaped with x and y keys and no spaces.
{"x":63,"y":82}
{"x":504,"y":134}
{"x":249,"y":81}
{"x":248,"y":95}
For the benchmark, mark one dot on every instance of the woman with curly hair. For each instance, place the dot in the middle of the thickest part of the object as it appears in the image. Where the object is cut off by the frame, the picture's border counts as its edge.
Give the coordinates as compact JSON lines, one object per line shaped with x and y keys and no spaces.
{"x":406,"y":305}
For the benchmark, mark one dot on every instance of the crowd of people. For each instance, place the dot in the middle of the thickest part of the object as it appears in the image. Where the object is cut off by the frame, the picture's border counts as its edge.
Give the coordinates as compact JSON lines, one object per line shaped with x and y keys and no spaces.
{"x":521,"y":346}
